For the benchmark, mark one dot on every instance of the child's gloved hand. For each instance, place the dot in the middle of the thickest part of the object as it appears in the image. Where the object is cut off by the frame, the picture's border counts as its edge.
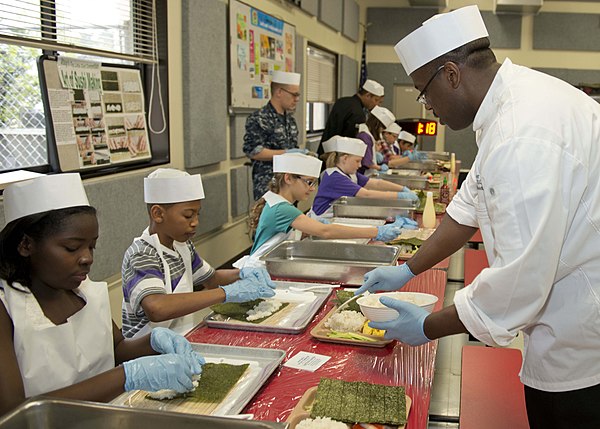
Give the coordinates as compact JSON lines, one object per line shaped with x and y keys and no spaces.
{"x":388,"y":232}
{"x":384,"y":168}
{"x":405,"y":223}
{"x":163,"y":340}
{"x":259,"y":274}
{"x":246,"y":290}
{"x":408,"y":196}
{"x":168,"y":371}
{"x":408,"y":327}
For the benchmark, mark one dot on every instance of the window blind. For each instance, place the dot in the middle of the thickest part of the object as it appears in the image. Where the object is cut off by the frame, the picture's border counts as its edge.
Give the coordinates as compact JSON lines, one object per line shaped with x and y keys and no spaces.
{"x":320,"y":76}
{"x":121,"y":29}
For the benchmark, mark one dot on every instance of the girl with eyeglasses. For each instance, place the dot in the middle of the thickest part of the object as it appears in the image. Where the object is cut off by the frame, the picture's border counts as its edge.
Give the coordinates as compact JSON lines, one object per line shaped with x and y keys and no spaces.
{"x":274,"y":217}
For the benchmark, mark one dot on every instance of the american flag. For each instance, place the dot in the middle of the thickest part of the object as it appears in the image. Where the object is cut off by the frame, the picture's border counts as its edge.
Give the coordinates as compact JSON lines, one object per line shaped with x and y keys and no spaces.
{"x":363,"y":62}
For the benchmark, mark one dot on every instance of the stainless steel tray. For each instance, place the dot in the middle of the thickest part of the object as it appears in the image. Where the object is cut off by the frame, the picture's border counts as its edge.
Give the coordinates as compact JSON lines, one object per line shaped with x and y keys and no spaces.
{"x":294,"y":322}
{"x":441,"y":156}
{"x":425,"y":165}
{"x":50,"y":413}
{"x":355,"y":222}
{"x":343,"y":263}
{"x":372,"y":208}
{"x":263,"y":362}
{"x":413,"y":182}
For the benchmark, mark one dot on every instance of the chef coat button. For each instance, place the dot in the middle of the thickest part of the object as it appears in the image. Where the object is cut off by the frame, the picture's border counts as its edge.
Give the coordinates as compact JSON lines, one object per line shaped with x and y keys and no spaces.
{"x":492,"y":191}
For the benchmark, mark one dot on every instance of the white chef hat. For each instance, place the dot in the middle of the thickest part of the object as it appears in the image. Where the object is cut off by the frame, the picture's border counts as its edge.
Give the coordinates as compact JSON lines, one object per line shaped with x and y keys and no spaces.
{"x":348,"y":145}
{"x":286,"y":78}
{"x":439,"y":35}
{"x":373,"y":87}
{"x":393,"y":128}
{"x":297,"y":163}
{"x":44,"y":193}
{"x":168,"y":185}
{"x":407,"y":137}
{"x":384,"y":115}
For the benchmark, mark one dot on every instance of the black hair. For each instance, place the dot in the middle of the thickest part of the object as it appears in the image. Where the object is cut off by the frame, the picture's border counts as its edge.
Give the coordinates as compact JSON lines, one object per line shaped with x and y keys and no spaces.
{"x":476,"y":54}
{"x":166,"y":206}
{"x":39,"y":226}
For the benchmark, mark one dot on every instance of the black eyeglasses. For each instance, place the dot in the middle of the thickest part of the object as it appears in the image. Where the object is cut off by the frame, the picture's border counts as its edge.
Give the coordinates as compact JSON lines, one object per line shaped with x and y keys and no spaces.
{"x":293,"y":94}
{"x":310,"y":183}
{"x":421,"y":97}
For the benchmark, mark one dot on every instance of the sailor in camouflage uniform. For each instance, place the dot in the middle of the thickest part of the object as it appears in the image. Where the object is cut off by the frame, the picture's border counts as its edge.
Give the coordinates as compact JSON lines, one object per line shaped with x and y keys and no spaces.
{"x":272,"y":130}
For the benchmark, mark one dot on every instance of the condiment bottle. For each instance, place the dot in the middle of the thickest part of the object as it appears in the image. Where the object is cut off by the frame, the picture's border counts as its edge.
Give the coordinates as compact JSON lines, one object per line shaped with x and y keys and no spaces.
{"x":445,"y":192}
{"x":429,"y":212}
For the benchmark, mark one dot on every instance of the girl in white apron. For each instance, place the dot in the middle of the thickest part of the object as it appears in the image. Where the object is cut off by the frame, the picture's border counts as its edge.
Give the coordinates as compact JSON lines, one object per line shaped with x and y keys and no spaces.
{"x":274,"y":218}
{"x":161,"y":267}
{"x":341,"y":178}
{"x":55,"y":324}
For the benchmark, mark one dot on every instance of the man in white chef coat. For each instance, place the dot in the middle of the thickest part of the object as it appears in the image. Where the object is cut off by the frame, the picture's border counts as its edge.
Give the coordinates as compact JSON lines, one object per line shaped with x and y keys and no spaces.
{"x":534,"y":193}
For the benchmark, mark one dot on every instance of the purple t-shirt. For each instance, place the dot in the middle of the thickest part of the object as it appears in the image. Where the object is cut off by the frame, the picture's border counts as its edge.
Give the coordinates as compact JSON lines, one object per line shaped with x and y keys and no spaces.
{"x":335,"y":184}
{"x":367,"y":160}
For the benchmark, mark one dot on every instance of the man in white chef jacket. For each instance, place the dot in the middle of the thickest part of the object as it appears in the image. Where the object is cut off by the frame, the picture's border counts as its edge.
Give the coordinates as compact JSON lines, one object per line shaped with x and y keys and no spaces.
{"x":534,"y":193}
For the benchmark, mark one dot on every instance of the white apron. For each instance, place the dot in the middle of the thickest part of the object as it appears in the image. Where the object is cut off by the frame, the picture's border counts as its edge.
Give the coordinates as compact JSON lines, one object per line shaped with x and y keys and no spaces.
{"x":253,"y":261}
{"x":53,"y":356}
{"x":362,"y":128}
{"x":181,"y":325}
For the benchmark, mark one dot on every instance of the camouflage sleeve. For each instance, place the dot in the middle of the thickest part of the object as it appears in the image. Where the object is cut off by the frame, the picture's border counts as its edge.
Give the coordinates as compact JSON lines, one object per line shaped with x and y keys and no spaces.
{"x":255,"y":137}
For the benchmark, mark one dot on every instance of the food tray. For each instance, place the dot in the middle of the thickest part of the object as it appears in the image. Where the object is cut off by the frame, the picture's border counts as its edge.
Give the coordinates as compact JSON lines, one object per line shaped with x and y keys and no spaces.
{"x":302,"y":409}
{"x":425,"y":165}
{"x":341,"y":263}
{"x":373,"y":208}
{"x":263,"y":362}
{"x":320,"y":333}
{"x":293,"y":319}
{"x":440,"y":156}
{"x":413,"y":182}
{"x":53,"y":413}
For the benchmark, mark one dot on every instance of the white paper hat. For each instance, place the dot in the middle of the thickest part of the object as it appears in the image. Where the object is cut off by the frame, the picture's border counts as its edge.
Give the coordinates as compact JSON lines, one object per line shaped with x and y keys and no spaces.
{"x":44,"y":193}
{"x":297,"y":163}
{"x":373,"y":87}
{"x":168,"y":185}
{"x":394,"y":128}
{"x":286,"y":78}
{"x":384,"y":115}
{"x":407,"y":137}
{"x":439,"y":35}
{"x":345,"y":145}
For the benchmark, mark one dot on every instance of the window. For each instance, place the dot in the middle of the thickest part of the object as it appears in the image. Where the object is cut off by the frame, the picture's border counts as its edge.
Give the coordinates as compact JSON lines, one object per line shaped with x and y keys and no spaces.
{"x":115,"y":31}
{"x":321,"y":93}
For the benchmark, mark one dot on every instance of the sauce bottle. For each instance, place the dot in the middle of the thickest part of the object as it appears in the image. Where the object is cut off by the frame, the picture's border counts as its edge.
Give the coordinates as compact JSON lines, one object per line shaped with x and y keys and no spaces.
{"x":429,"y":219}
{"x":445,"y":192}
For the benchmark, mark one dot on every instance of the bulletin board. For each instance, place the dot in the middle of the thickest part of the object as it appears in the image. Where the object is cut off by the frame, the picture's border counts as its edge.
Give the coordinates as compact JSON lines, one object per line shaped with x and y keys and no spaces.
{"x":95,"y":114}
{"x":260,"y":44}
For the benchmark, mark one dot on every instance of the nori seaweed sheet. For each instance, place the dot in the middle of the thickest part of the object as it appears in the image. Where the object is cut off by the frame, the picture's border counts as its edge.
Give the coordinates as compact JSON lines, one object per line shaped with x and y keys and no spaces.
{"x":238,"y":310}
{"x":341,"y":296}
{"x":360,"y":402}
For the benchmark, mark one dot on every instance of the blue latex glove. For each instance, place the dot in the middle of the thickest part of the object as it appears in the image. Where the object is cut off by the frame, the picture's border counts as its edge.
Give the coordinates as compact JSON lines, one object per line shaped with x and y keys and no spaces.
{"x":163,"y":340}
{"x":324,"y":221}
{"x":386,"y":278}
{"x":408,"y":327}
{"x":247,"y":290}
{"x":415,"y":155}
{"x":405,"y":223}
{"x":407,"y":196}
{"x":388,"y":232}
{"x":297,"y":150}
{"x":259,"y":274}
{"x":168,"y":371}
{"x":379,"y":157}
{"x":384,"y":168}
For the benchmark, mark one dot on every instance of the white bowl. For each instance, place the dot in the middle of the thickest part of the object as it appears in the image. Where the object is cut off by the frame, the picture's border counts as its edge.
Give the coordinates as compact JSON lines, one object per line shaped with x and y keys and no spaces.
{"x":377,"y":312}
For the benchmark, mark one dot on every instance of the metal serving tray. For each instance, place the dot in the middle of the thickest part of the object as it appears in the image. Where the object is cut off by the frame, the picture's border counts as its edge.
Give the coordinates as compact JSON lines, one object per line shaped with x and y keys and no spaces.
{"x":373,"y":208}
{"x":295,"y":321}
{"x":263,"y":362}
{"x":326,"y":261}
{"x":46,"y":413}
{"x":355,"y":222}
{"x":425,"y":165}
{"x":441,"y":156}
{"x":413,"y":182}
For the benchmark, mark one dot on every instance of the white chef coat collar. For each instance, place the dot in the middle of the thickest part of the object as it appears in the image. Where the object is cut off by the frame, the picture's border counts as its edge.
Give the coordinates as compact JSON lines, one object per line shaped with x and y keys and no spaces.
{"x":487,"y":107}
{"x":273,"y":199}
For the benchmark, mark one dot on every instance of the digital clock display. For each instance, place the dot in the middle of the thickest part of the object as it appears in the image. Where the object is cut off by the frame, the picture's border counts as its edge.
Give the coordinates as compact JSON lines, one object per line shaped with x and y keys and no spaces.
{"x":419,"y":126}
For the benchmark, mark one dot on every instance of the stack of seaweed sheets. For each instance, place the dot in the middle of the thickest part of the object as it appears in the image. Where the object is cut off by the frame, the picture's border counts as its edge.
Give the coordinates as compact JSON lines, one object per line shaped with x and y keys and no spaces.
{"x":360,"y":402}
